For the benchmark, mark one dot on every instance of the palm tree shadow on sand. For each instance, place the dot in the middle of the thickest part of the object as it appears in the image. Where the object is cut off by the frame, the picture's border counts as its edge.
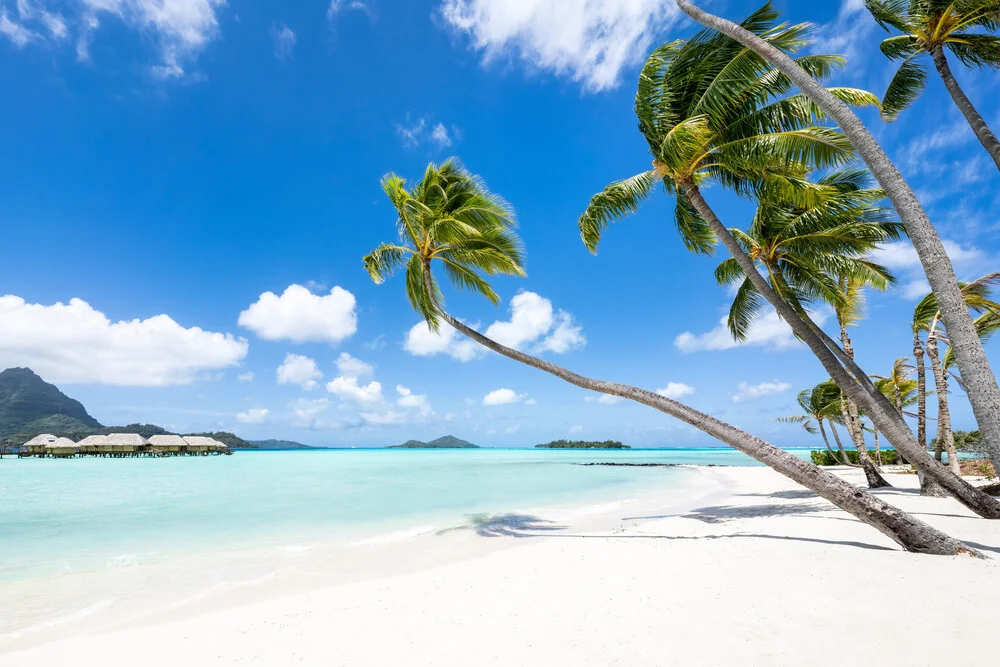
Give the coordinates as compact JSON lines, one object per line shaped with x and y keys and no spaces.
{"x":510,"y":524}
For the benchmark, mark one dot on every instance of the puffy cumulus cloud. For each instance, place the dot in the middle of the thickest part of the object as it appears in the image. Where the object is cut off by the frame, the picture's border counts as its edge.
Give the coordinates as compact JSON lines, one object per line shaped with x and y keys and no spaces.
{"x":284,"y":39}
{"x":408,"y":399}
{"x":352,"y":366}
{"x":308,"y":413}
{"x":768,"y":331}
{"x":603,"y":399}
{"x":676,"y":390}
{"x":347,"y":387}
{"x":300,"y":370}
{"x":253,"y":416}
{"x":300,"y":316}
{"x":74,"y":343}
{"x":502,"y":397}
{"x":422,"y":342}
{"x":748,"y":392}
{"x":902,"y":258}
{"x":590,"y":41}
{"x":534,"y":325}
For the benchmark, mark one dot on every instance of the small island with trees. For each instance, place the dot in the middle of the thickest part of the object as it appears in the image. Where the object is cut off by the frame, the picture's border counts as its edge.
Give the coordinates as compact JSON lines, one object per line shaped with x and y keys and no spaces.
{"x":444,"y":442}
{"x":583,"y":444}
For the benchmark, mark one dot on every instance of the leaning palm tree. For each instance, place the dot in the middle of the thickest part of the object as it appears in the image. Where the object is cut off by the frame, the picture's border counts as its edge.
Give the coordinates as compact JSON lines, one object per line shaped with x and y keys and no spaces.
{"x":899,"y":388}
{"x":450,"y":219}
{"x":817,"y":252}
{"x":984,"y":392}
{"x":712,"y":110}
{"x":930,"y":27}
{"x":927,"y":320}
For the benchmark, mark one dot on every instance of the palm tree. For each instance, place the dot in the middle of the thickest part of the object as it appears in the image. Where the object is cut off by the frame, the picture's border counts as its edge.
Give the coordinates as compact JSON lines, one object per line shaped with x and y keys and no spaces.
{"x":931,"y":27}
{"x":450,"y":219}
{"x":711,"y":109}
{"x":817,"y":252}
{"x":984,"y":393}
{"x":899,"y":388}
{"x":927,"y":320}
{"x":820,"y":404}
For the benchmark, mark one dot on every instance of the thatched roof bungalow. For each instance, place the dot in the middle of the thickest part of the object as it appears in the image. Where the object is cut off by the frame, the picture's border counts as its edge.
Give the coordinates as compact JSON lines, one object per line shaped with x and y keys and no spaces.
{"x":173,"y":444}
{"x":91,"y":444}
{"x":61,"y":447}
{"x":38,"y":444}
{"x":202,"y":443}
{"x":123,"y":443}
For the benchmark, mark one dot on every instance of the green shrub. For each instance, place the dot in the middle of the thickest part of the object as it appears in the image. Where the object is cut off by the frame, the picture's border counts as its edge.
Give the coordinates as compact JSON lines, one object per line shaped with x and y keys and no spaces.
{"x":823,"y":457}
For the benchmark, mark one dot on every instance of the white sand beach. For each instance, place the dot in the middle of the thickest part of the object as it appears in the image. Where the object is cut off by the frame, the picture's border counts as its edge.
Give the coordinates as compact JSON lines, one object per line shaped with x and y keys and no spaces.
{"x":754,"y":571}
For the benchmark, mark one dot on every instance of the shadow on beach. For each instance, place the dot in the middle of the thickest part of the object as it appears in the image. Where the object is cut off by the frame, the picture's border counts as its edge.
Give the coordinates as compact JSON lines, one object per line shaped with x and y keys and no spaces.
{"x":507,"y":525}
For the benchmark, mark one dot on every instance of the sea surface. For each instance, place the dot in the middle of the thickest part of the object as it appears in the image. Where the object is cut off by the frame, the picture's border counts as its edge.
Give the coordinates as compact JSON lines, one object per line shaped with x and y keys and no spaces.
{"x":63,"y":522}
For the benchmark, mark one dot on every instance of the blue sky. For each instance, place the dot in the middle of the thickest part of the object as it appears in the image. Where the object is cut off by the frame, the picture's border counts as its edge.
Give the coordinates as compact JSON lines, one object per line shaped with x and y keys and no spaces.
{"x":187,"y":188}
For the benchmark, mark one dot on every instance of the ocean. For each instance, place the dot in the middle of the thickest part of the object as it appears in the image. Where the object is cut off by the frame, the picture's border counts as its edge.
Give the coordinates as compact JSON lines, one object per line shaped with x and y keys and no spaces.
{"x":80,"y":534}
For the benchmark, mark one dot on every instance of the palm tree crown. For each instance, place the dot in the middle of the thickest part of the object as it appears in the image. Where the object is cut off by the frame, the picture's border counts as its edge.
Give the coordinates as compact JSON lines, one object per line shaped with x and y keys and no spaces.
{"x":450,"y":216}
{"x":816,"y":252}
{"x":928,"y":25}
{"x":711,"y":109}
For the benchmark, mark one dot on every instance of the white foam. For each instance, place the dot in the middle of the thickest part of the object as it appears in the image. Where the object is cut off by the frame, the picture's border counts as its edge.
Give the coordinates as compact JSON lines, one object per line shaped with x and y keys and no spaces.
{"x":397,"y":536}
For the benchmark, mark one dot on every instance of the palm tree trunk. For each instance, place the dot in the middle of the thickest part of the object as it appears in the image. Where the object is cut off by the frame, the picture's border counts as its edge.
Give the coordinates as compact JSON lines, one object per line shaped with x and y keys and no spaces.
{"x":984,"y":393}
{"x":826,"y":440}
{"x":946,"y":438}
{"x":861,"y":390}
{"x":918,"y":360}
{"x":897,"y":396}
{"x":843,"y":453}
{"x":964,"y":104}
{"x":850,"y":409}
{"x":878,"y":452}
{"x":905,"y":529}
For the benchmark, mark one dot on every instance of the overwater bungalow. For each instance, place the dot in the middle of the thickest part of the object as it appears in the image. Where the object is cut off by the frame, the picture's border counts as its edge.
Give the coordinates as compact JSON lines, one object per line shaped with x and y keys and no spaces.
{"x":163,"y":445}
{"x":37,"y":445}
{"x":200,"y":444}
{"x":61,"y":448}
{"x":91,"y":444}
{"x":123,"y":444}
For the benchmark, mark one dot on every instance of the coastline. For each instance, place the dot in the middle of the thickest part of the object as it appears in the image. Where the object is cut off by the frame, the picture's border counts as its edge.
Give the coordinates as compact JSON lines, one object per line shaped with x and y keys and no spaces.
{"x":646,"y":581}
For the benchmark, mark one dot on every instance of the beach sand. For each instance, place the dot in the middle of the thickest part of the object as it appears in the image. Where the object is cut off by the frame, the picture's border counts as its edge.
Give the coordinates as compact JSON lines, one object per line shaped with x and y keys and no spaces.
{"x":754,"y":571}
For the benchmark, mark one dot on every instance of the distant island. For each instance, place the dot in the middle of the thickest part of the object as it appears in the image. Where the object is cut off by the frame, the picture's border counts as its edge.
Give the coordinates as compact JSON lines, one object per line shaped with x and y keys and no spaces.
{"x":444,"y":442}
{"x":583,"y":444}
{"x":280,"y":445}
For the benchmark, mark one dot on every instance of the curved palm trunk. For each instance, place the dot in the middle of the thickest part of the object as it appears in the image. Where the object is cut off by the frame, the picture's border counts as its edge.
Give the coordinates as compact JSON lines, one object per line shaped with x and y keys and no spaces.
{"x":928,"y":487}
{"x":984,"y":394}
{"x":897,"y":397}
{"x":964,"y":104}
{"x":826,"y":440}
{"x":906,"y":530}
{"x":840,"y":446}
{"x":861,"y":390}
{"x":946,"y":438}
{"x":850,"y":409}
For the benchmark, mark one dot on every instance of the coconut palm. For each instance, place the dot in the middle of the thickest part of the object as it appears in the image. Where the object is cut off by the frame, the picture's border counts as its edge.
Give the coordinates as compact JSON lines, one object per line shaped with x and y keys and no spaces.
{"x":984,"y":393}
{"x":927,"y":320}
{"x":900,"y":389}
{"x":932,"y":27}
{"x":450,"y":219}
{"x":708,"y":110}
{"x":820,"y":404}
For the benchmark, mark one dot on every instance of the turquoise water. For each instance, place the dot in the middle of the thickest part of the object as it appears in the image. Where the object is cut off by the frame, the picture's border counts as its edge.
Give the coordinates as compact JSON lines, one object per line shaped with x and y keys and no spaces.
{"x":78,"y":515}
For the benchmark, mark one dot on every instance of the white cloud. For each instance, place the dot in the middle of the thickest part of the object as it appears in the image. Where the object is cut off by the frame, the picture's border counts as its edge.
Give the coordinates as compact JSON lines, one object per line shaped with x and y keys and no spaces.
{"x":299,"y":370}
{"x":450,"y":416}
{"x":306,"y":413}
{"x":846,"y":32}
{"x":383,"y":418}
{"x":353,"y":367}
{"x":675,"y":390}
{"x":603,"y":399}
{"x":749,"y":392}
{"x":337,"y":6}
{"x":439,"y":135}
{"x":590,"y":41}
{"x":502,"y":397}
{"x":566,"y":336}
{"x":74,"y":343}
{"x":348,"y":387}
{"x":253,"y":416}
{"x":412,"y":133}
{"x":300,"y":316}
{"x":16,"y":32}
{"x":577,"y":428}
{"x":245,"y":377}
{"x":768,"y":331}
{"x":902,"y":258}
{"x":408,"y":399}
{"x":284,"y":41}
{"x":422,"y":342}
{"x":512,"y":429}
{"x":531,"y":401}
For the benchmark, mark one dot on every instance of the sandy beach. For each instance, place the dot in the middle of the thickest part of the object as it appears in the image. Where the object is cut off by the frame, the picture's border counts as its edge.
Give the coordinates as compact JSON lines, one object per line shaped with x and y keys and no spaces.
{"x":756,"y":571}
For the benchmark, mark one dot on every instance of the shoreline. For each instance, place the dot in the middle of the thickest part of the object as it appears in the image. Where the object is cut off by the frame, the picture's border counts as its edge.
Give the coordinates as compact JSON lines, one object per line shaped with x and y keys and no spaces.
{"x":791,"y":578}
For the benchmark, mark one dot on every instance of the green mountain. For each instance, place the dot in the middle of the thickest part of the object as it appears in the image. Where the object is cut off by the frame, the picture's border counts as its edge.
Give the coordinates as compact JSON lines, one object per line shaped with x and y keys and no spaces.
{"x":280,"y":445}
{"x":583,"y":444}
{"x":444,"y":442}
{"x":30,"y":404}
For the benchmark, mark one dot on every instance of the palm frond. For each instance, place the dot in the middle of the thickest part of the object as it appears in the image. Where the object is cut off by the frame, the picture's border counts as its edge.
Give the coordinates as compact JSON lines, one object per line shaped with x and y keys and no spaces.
{"x":614,"y":202}
{"x":906,"y":85}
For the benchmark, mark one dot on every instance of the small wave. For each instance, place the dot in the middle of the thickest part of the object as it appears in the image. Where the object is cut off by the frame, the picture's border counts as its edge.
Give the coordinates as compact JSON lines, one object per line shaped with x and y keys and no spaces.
{"x":77,"y":615}
{"x":397,"y":536}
